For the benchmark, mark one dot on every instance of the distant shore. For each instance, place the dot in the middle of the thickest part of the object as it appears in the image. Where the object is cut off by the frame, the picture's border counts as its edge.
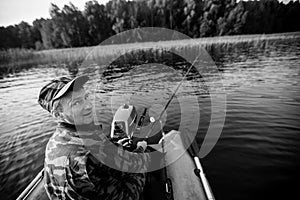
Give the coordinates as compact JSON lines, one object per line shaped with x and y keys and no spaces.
{"x":14,"y":60}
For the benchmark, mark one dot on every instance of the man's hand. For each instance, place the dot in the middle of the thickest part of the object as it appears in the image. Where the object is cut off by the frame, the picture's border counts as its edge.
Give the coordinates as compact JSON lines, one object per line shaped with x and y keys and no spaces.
{"x":125,"y":142}
{"x":141,"y":145}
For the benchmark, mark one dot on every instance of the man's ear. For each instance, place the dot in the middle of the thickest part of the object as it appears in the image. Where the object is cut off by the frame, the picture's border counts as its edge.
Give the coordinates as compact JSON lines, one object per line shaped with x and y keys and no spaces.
{"x":57,"y":114}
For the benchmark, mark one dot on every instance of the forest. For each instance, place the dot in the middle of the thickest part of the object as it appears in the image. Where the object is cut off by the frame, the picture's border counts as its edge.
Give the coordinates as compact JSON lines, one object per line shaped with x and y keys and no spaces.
{"x":70,"y":27}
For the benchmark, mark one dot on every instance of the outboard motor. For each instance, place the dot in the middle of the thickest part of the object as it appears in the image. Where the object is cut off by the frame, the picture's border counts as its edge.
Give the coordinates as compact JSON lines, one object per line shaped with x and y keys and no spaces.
{"x":124,"y":122}
{"x":128,"y":123}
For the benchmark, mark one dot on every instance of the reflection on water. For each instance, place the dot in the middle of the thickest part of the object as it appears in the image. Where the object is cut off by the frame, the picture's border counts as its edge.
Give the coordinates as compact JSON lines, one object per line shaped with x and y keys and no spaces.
{"x":257,"y":156}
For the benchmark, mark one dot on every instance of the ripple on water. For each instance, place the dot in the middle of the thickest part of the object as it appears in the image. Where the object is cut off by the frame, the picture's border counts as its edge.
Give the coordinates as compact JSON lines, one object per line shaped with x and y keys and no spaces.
{"x":259,"y":147}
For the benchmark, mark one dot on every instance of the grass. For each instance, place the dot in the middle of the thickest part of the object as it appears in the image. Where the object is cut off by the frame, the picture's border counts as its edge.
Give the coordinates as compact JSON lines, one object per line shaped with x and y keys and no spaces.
{"x":14,"y":60}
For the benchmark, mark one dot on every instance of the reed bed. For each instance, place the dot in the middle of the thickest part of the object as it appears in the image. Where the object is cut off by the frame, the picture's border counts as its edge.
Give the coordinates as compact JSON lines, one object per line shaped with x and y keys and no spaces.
{"x":13,"y":60}
{"x":132,"y":53}
{"x":14,"y":55}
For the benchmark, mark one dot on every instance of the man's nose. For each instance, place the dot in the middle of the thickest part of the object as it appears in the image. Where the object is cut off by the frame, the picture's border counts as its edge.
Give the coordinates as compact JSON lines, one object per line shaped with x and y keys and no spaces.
{"x":88,"y":104}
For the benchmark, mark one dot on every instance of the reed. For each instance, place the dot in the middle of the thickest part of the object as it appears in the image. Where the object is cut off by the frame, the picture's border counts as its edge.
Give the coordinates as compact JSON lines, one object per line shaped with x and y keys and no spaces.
{"x":16,"y":55}
{"x":13,"y":60}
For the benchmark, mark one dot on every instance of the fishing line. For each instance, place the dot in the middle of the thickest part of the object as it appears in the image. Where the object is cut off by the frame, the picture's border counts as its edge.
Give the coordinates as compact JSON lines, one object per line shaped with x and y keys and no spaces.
{"x":174,"y":93}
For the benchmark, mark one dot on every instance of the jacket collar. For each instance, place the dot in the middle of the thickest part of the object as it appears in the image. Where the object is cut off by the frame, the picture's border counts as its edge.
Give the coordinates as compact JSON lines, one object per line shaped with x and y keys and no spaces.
{"x":75,"y":128}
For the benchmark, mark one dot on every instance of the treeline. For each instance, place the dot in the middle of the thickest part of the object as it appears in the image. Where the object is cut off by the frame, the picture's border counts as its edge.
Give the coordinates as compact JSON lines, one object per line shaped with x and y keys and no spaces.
{"x":70,"y":27}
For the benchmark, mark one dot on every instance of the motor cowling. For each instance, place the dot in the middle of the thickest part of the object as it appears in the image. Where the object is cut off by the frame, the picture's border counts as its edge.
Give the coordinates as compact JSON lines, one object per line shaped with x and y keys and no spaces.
{"x":124,"y":122}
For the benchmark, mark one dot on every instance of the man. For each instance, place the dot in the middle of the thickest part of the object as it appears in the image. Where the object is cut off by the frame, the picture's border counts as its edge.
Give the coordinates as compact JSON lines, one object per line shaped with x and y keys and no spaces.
{"x":74,"y":168}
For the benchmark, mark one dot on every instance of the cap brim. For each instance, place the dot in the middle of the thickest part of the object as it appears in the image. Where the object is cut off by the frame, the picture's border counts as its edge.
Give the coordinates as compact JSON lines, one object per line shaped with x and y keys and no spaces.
{"x":75,"y":83}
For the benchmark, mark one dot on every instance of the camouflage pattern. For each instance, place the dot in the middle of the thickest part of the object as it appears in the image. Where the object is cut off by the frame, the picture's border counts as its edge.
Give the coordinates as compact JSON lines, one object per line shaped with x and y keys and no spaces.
{"x":72,"y":171}
{"x":56,"y":88}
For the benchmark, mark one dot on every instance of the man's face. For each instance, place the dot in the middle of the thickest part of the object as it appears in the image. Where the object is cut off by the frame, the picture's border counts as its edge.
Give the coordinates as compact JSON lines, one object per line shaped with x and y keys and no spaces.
{"x":77,"y":108}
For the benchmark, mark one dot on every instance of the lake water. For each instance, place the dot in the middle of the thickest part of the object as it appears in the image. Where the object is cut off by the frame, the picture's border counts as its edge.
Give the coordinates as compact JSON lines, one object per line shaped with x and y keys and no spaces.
{"x":256,"y":157}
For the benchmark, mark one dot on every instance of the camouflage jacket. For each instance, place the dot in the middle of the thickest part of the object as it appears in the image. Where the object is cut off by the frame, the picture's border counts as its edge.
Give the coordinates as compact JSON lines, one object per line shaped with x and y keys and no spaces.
{"x":72,"y":170}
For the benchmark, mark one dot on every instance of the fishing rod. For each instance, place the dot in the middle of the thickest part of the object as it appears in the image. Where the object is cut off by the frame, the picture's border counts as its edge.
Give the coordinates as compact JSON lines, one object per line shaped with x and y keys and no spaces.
{"x":173,"y":95}
{"x":168,"y":184}
{"x":193,"y":148}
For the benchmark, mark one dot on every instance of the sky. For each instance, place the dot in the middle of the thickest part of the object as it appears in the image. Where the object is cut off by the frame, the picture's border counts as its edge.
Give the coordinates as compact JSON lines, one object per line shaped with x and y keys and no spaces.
{"x":14,"y":11}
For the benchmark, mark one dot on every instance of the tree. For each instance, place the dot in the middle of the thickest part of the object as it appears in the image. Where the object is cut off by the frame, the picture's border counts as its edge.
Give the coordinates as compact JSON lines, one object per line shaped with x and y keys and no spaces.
{"x":98,"y":22}
{"x":25,"y":35}
{"x":70,"y":27}
{"x":75,"y":24}
{"x":58,"y":27}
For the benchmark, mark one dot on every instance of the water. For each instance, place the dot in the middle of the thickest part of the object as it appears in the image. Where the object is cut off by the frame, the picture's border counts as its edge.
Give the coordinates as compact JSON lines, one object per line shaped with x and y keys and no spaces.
{"x":256,"y":157}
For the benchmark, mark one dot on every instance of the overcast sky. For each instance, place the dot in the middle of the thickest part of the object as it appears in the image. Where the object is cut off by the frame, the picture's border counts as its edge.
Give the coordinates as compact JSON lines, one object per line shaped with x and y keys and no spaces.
{"x":14,"y":11}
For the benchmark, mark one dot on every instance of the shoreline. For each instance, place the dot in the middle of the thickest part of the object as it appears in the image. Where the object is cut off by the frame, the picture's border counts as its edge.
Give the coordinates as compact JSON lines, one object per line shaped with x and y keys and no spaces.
{"x":15,"y":60}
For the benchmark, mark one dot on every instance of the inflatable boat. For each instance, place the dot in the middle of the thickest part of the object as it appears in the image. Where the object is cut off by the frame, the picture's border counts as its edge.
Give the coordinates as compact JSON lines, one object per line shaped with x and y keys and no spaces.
{"x":181,"y":183}
{"x":182,"y":179}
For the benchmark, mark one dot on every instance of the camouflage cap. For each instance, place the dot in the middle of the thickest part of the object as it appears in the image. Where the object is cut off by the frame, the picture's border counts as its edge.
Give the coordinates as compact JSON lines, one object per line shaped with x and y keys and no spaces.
{"x":57,"y":88}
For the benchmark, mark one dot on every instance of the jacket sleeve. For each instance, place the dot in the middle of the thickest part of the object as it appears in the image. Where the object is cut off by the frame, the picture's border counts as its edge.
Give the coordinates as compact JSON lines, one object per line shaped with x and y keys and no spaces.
{"x":115,"y":184}
{"x":78,"y":184}
{"x":87,"y":178}
{"x":104,"y":170}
